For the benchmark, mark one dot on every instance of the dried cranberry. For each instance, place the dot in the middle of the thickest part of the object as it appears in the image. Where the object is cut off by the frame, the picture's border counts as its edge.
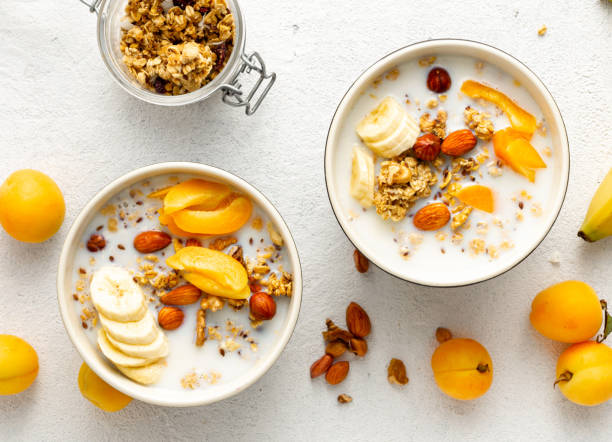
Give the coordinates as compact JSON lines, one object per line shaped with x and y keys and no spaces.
{"x":160,"y":85}
{"x":204,"y":10}
{"x":221,"y":52}
{"x":183,"y":3}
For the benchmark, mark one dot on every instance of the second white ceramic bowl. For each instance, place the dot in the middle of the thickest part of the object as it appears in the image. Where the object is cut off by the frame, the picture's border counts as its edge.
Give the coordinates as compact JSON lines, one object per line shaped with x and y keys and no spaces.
{"x":93,"y":356}
{"x":370,"y":241}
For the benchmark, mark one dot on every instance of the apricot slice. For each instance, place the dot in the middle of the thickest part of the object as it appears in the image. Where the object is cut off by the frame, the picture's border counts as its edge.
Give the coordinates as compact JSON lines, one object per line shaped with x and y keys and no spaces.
{"x":520,"y":119}
{"x":193,"y":192}
{"x":215,"y":222}
{"x":160,"y":193}
{"x":211,"y":271}
{"x":502,"y":138}
{"x":525,"y":153}
{"x":168,"y":221}
{"x":477,"y":196}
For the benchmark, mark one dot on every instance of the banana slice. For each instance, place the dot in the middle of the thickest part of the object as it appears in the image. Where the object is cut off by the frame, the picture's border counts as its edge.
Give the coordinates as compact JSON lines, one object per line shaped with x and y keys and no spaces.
{"x":147,"y":375}
{"x":116,"y":295}
{"x":362,"y":176}
{"x":400,"y":141}
{"x":156,"y":349}
{"x":136,"y":333}
{"x":388,"y":130}
{"x":119,"y":358}
{"x":382,"y":122}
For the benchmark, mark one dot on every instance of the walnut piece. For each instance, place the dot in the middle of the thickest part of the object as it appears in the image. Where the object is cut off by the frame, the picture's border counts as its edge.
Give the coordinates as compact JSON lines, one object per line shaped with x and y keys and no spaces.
{"x":222,"y":243}
{"x":396,"y":372}
{"x":282,"y":286}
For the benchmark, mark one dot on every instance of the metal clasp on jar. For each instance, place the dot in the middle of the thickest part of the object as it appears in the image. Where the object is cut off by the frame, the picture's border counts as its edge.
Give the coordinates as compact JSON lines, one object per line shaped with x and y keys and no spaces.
{"x":233,"y":93}
{"x":93,"y":6}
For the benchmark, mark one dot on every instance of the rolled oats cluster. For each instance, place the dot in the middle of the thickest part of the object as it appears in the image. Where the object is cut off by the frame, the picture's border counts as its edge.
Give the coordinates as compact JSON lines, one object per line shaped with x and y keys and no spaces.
{"x":179,"y":49}
{"x":401,"y":182}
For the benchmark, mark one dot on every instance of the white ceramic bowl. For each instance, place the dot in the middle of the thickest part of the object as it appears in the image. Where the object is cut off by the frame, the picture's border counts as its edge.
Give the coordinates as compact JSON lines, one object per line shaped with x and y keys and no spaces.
{"x":93,"y":356}
{"x":367,"y":239}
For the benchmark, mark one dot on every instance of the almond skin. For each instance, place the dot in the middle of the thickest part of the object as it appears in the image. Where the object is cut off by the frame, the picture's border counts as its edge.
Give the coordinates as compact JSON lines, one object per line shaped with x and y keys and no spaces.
{"x":151,"y":241}
{"x":321,"y":366}
{"x":337,"y":373}
{"x":459,"y":143}
{"x":357,"y":320}
{"x":183,"y":295}
{"x":262,"y":306}
{"x":170,"y":318}
{"x":432,"y":217}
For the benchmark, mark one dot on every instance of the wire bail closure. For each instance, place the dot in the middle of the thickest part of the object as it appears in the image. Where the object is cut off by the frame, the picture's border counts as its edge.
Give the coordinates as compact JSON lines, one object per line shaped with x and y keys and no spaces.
{"x":235,"y":96}
{"x":93,"y":6}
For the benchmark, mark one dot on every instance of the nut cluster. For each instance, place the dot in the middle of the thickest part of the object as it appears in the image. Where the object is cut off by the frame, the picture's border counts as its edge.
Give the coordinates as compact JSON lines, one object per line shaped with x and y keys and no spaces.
{"x":339,"y":341}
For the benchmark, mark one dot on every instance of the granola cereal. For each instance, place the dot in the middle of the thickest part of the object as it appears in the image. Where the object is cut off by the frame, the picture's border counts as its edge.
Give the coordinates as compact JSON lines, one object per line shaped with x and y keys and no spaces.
{"x":400,"y":184}
{"x":180,"y":49}
{"x":479,"y":122}
{"x":436,"y":126}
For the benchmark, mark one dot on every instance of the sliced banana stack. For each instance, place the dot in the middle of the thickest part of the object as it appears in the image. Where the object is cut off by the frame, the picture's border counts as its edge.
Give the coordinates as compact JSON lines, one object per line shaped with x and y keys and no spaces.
{"x":362,"y":176}
{"x":388,"y":130}
{"x":130,"y":336}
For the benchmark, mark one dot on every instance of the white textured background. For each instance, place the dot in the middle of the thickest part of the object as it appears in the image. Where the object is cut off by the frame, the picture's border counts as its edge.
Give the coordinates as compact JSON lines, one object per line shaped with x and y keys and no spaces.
{"x":62,"y":113}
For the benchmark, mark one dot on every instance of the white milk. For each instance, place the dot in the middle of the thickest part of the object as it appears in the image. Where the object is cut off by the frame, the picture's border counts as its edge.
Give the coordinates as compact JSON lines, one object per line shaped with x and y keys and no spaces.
{"x":508,"y":188}
{"x":184,"y":356}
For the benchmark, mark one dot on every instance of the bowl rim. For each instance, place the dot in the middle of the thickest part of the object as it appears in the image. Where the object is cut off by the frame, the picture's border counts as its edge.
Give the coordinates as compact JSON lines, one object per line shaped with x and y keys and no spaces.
{"x":129,"y":84}
{"x":119,"y":381}
{"x":403,"y":52}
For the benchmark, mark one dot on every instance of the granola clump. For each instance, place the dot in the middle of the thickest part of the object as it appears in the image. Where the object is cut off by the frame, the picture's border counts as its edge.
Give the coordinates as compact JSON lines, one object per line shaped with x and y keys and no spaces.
{"x":436,"y":126}
{"x":479,"y":122}
{"x":178,"y":50}
{"x":400,"y":184}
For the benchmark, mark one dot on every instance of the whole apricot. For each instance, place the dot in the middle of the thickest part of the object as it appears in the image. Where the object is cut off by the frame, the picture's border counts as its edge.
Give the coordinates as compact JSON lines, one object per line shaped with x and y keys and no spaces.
{"x":567,"y":312}
{"x":99,"y":393}
{"x":31,"y":206}
{"x":584,"y":373}
{"x":18,"y":365}
{"x":462,"y":368}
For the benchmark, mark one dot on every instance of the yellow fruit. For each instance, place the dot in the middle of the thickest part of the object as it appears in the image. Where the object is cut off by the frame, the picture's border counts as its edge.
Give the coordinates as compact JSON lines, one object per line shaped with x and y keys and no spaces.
{"x":99,"y":393}
{"x":31,"y":206}
{"x":584,"y":373}
{"x":462,"y":368}
{"x":567,"y":312}
{"x":221,"y":221}
{"x":211,"y":271}
{"x":598,"y":221}
{"x":18,"y":365}
{"x":195,"y":192}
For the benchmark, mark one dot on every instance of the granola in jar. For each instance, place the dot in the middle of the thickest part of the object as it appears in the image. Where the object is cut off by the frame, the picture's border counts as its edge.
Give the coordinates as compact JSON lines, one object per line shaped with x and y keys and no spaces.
{"x":176,"y":50}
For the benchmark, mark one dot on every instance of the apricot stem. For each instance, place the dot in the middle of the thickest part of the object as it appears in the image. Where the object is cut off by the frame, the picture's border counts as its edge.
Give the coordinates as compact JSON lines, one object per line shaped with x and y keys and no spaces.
{"x":566,"y":376}
{"x":482,"y":368}
{"x":607,"y":322}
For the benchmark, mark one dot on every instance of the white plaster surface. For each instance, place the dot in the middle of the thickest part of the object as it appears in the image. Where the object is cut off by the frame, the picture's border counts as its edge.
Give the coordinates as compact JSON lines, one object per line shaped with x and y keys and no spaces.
{"x":62,"y":113}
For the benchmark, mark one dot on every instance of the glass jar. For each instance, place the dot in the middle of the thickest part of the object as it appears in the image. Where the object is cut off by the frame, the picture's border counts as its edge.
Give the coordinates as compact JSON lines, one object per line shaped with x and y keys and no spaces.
{"x":111,"y":15}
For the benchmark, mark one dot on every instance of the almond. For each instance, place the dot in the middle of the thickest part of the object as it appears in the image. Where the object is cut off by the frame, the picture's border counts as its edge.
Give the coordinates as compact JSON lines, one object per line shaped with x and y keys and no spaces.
{"x":359,"y":346}
{"x":183,"y":295}
{"x":432,"y":217}
{"x":357,"y":320}
{"x":459,"y":143}
{"x":170,"y":318}
{"x":151,"y":241}
{"x":337,"y":373}
{"x":361,"y":262}
{"x":321,"y":366}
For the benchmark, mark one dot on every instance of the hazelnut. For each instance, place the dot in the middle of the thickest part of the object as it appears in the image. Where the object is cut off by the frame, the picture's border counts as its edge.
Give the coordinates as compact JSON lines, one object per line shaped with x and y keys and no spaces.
{"x":96,"y":243}
{"x":443,"y":335}
{"x":427,"y":147}
{"x":263,"y":306}
{"x":438,"y":80}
